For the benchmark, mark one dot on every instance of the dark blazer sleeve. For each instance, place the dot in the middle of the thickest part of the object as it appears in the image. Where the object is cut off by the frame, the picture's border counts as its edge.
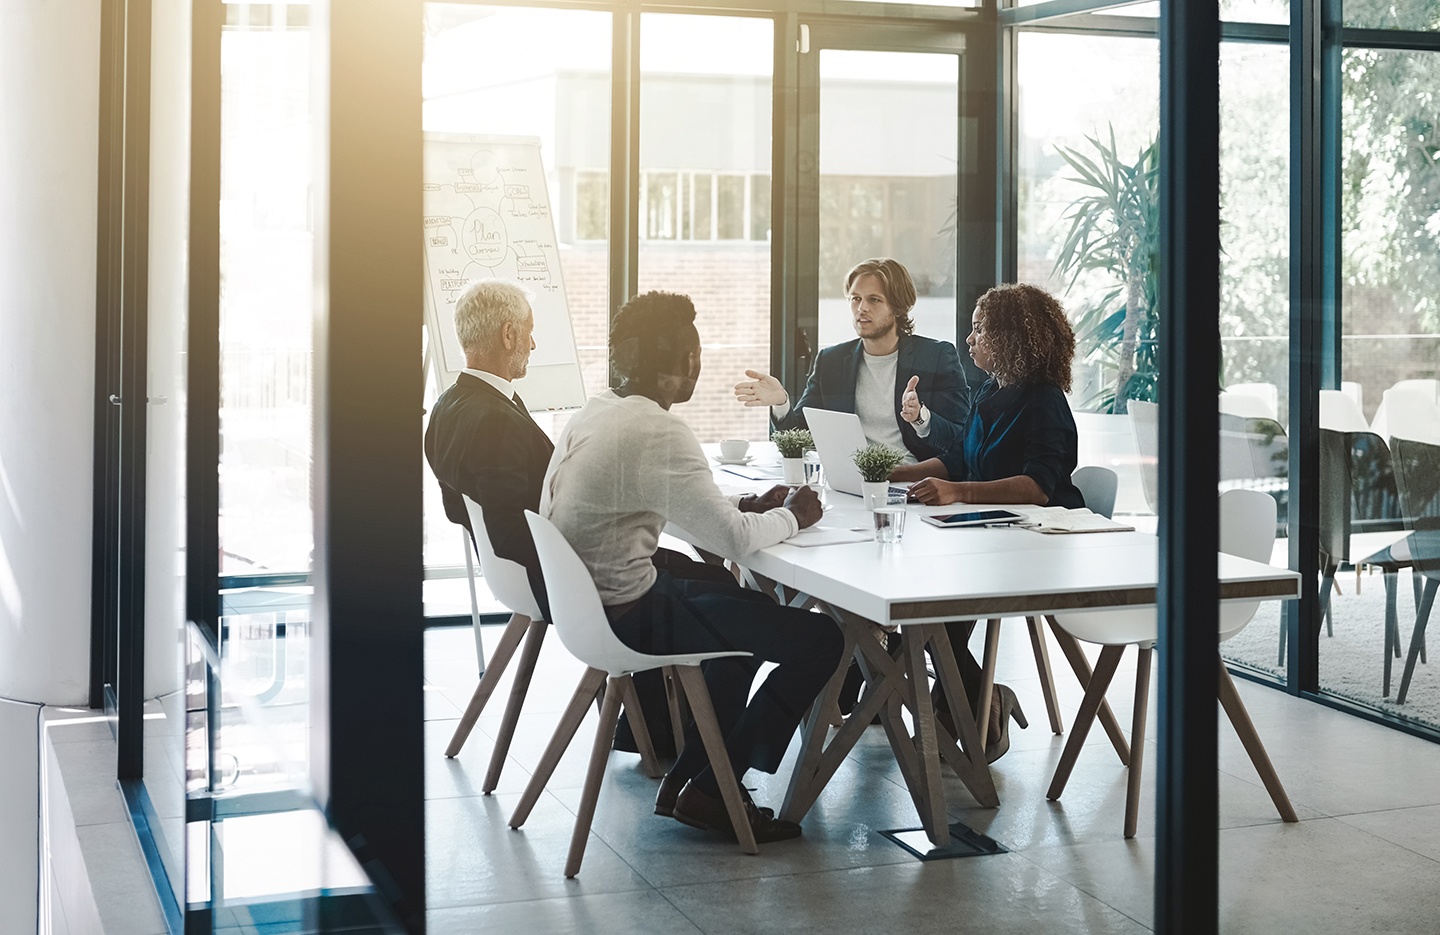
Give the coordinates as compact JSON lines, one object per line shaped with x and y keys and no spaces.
{"x":947,"y":398}
{"x":813,"y":396}
{"x":1052,"y":443}
{"x":488,"y":457}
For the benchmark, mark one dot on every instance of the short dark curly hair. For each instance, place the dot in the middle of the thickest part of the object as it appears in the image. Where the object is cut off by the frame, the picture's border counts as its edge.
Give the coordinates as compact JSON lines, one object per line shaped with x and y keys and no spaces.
{"x":1029,"y":337}
{"x":651,"y":334}
{"x":895,"y":280}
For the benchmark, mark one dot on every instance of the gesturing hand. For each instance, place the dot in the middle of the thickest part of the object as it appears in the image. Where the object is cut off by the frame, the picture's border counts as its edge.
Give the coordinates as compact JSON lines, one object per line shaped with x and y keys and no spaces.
{"x":932,"y":491}
{"x":805,"y":504}
{"x":768,"y":500}
{"x":761,"y":390}
{"x":910,"y":401}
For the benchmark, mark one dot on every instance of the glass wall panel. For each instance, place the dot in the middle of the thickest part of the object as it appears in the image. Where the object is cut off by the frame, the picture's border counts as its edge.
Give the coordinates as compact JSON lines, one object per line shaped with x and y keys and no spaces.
{"x":889,"y":149}
{"x":1387,"y":418}
{"x":1393,"y":14}
{"x":266,"y":524}
{"x":1254,"y":302}
{"x":1109,"y":120}
{"x":503,"y":71}
{"x":705,"y":94}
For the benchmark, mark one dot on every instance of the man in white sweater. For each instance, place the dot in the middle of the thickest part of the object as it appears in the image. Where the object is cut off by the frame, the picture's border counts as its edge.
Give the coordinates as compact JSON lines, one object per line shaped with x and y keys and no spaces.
{"x":623,"y":468}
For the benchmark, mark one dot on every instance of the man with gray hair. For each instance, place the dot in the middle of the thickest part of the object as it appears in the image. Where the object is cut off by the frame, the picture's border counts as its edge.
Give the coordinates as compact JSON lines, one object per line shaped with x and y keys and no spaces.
{"x":481,"y":441}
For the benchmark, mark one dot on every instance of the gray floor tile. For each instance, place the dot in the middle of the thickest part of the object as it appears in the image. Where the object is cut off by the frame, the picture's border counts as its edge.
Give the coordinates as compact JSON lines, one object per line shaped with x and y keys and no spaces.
{"x":119,"y":879}
{"x":1417,"y":829}
{"x":980,"y":894}
{"x":474,"y":858}
{"x":642,"y":912}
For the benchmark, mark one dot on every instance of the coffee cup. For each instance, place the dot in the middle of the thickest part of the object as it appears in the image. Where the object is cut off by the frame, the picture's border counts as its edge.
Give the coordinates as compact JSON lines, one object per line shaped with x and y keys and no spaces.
{"x":733,"y":449}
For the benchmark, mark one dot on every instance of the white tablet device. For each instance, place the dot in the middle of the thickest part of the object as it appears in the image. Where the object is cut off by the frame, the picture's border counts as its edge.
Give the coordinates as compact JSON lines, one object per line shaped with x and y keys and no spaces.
{"x":977,"y":518}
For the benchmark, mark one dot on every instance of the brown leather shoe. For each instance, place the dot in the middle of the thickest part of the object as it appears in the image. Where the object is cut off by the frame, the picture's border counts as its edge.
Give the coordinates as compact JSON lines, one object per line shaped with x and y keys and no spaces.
{"x":670,"y":788}
{"x":708,"y":813}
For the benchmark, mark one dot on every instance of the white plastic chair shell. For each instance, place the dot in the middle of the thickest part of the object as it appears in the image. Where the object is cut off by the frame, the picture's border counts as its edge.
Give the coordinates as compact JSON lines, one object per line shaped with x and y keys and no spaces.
{"x":1340,"y":413}
{"x":1246,"y":405}
{"x":507,"y":580}
{"x":1268,"y":393}
{"x":1408,"y":412}
{"x":578,"y":616}
{"x":1145,"y":424}
{"x":1247,"y":529}
{"x":1097,"y":485}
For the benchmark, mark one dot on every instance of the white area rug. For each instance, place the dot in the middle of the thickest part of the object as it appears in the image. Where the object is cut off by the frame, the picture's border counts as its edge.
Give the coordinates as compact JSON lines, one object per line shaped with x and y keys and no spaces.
{"x":1352,"y":661}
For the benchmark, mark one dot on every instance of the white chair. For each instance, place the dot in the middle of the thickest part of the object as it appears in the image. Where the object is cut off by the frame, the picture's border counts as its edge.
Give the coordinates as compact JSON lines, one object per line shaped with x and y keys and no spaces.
{"x":1408,"y":412}
{"x":1267,"y":393}
{"x":1145,"y":424}
{"x":1340,"y":413}
{"x":509,"y":585}
{"x":580,"y":621}
{"x":1247,"y":529}
{"x":1097,"y":485}
{"x":1247,"y":405}
{"x":1355,"y":391}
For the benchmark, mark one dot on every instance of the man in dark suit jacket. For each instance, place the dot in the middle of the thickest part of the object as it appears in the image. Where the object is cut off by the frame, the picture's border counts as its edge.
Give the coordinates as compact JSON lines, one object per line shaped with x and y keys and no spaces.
{"x":883,"y":375}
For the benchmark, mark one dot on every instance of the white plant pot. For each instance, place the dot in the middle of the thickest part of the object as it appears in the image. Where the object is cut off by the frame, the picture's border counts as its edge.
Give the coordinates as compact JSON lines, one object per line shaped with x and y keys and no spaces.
{"x":794,"y":470}
{"x":876,"y":493}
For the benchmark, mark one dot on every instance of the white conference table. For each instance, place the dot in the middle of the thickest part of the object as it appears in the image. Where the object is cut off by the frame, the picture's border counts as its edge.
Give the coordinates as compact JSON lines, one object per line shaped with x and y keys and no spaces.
{"x":932,"y":576}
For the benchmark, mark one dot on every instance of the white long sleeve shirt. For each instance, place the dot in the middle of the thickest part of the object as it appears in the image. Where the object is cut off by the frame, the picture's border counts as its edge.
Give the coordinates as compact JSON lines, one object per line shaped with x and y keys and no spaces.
{"x":622,"y":469}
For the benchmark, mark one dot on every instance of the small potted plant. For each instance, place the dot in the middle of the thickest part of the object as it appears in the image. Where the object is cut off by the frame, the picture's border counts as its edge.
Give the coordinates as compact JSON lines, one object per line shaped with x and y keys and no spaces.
{"x":793,"y":443}
{"x":875,"y":463}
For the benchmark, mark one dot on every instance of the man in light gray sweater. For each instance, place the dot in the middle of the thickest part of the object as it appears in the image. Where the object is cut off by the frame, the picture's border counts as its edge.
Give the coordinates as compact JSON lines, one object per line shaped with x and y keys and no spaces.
{"x":623,"y":468}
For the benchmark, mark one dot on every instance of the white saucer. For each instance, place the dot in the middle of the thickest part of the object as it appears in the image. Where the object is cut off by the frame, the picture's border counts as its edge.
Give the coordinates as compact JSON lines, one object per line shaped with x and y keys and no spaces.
{"x":745,"y":460}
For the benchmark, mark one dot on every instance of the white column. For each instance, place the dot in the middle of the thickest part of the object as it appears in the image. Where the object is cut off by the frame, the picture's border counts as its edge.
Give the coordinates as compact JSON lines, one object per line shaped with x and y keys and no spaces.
{"x":49,"y":126}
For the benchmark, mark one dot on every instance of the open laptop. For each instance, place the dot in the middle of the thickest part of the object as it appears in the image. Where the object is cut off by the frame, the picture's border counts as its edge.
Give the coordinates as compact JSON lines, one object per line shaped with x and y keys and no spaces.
{"x":837,"y":437}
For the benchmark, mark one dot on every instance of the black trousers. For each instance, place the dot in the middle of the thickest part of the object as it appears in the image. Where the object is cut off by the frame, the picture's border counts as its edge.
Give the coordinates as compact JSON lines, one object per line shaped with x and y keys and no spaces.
{"x":689,"y":616}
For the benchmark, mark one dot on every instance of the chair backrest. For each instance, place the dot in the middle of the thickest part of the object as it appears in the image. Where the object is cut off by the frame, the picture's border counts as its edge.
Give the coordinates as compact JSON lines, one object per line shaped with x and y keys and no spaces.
{"x":1355,"y":391}
{"x":1417,"y":474}
{"x":1145,"y":424}
{"x":1247,"y":529}
{"x":1427,"y":388}
{"x":1247,"y":405}
{"x":507,"y":580}
{"x":1267,"y":393}
{"x":575,"y":609}
{"x":1408,"y":412}
{"x":1340,"y":413}
{"x":1097,"y":485}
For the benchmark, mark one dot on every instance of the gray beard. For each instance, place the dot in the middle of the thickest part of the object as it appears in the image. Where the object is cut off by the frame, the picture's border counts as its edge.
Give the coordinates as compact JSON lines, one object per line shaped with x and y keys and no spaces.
{"x":518,"y":365}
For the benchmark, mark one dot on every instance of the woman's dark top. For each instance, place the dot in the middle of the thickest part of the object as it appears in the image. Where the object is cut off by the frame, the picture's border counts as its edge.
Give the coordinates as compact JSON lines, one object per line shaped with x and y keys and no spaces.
{"x":1024,"y":428}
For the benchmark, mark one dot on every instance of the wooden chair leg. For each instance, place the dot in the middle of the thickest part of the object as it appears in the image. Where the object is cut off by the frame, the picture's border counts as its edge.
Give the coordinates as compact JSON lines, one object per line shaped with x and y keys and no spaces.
{"x":1240,"y":719}
{"x":589,"y":688}
{"x":496,"y":668}
{"x":649,"y":762}
{"x":1137,"y":740}
{"x":673,"y":694}
{"x":523,"y":673}
{"x":599,"y":756}
{"x":1094,"y":696}
{"x":987,"y":680}
{"x":1047,"y":676}
{"x":1081,"y":667}
{"x":694,"y":685}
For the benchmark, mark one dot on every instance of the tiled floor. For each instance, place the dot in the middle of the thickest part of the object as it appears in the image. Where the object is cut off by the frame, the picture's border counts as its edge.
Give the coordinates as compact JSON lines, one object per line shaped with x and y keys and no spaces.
{"x":1364,"y":857}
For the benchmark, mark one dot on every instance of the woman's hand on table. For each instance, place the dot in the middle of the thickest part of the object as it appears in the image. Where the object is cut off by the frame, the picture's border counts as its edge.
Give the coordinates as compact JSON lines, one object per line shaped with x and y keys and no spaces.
{"x":932,"y":491}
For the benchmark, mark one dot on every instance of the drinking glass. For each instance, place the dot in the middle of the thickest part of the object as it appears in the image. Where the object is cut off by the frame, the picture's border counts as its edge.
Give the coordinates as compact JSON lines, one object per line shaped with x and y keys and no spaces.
{"x":814,"y":473}
{"x":889,"y":522}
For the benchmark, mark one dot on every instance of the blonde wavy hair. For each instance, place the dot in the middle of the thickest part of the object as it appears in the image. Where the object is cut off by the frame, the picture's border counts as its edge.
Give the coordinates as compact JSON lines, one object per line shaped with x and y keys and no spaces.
{"x":1029,"y":337}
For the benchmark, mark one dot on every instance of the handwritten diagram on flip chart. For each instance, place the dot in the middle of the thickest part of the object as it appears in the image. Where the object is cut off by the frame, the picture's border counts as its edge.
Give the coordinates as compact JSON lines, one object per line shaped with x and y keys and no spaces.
{"x":487,"y":216}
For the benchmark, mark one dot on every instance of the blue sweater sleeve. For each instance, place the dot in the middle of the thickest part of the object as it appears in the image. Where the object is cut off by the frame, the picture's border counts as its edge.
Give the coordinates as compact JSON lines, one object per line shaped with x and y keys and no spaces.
{"x":1052,"y":443}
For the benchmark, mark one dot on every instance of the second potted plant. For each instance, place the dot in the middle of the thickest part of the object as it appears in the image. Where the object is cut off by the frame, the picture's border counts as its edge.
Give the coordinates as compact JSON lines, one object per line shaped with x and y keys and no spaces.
{"x":793,"y":443}
{"x":875,"y":462}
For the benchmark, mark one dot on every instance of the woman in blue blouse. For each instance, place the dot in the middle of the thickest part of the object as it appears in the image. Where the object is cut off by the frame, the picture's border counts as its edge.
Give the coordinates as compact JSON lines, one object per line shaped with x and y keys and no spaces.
{"x":1018,"y":444}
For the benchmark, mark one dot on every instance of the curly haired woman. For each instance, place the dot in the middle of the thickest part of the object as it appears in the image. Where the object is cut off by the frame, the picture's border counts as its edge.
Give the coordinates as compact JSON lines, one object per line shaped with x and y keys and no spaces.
{"x":1019,"y":444}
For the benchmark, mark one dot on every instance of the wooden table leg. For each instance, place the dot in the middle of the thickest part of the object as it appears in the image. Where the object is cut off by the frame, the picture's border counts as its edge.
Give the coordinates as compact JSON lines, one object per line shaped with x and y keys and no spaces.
{"x":931,"y":790}
{"x":1081,"y":666}
{"x":987,"y":681}
{"x":805,"y":786}
{"x":975,"y":772}
{"x":1094,"y":696}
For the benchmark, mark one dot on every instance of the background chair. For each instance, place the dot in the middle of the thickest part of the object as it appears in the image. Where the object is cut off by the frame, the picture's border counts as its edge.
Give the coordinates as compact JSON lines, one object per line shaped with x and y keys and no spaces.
{"x":1408,"y":410}
{"x":1145,"y":424}
{"x":1097,"y":485}
{"x":1340,"y":413}
{"x":1266,"y":397}
{"x":580,"y":621}
{"x":1355,"y":391}
{"x":1417,"y":473}
{"x":1247,"y":529}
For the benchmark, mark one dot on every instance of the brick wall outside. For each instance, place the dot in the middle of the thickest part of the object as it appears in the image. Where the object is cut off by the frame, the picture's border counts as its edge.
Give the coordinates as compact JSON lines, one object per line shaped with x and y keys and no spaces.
{"x":730,"y":286}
